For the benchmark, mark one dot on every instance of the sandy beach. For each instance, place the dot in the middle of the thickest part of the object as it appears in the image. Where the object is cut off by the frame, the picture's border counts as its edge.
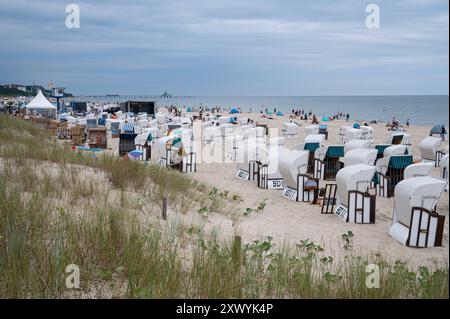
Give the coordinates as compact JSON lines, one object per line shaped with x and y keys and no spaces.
{"x":289,"y":221}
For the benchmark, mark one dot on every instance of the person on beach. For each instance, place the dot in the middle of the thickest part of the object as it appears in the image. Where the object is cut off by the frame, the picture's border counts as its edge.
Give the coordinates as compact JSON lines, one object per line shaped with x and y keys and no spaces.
{"x":347,"y":117}
{"x":443,"y":132}
{"x":407,"y":122}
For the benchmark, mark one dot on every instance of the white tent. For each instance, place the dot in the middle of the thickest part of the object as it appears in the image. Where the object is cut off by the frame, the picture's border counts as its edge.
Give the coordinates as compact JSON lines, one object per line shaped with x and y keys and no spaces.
{"x":40,"y":105}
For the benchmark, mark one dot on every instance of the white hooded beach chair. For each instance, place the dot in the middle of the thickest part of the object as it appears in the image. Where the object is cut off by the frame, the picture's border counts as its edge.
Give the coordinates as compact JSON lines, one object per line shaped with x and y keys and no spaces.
{"x":211,"y":135}
{"x":312,"y":129}
{"x":390,"y":169}
{"x":400,"y":138}
{"x":429,"y":149}
{"x":353,"y":202}
{"x":249,"y":155}
{"x":290,"y":129}
{"x":161,"y":118}
{"x":327,"y":161}
{"x":356,"y":143}
{"x":356,"y":156}
{"x":172,"y":154}
{"x":269,"y":176}
{"x":142,"y":143}
{"x":298,"y":185}
{"x":311,"y":144}
{"x":367,"y":132}
{"x":417,"y":170}
{"x":243,"y":121}
{"x":415,"y":222}
{"x":342,"y":132}
{"x":352,"y":134}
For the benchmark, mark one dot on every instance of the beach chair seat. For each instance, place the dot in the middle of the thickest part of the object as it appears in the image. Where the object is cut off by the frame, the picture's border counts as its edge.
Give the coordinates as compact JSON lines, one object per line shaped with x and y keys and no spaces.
{"x":415,"y":222}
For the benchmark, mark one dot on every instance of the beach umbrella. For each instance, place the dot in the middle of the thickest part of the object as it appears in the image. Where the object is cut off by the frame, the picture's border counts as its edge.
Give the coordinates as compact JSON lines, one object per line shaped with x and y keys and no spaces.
{"x":234,"y":111}
{"x":325,"y":119}
{"x":135,"y":154}
{"x":279,"y":113}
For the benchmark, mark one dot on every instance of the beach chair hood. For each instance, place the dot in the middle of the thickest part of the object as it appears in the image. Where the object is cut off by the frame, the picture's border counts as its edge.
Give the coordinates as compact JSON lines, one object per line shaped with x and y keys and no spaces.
{"x":429,"y":146}
{"x":360,"y":156}
{"x":356,"y":177}
{"x":291,"y":164}
{"x":356,"y":143}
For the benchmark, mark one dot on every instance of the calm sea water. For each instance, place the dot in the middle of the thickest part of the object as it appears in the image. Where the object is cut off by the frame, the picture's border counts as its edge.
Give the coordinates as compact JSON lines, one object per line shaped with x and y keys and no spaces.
{"x":423,"y":110}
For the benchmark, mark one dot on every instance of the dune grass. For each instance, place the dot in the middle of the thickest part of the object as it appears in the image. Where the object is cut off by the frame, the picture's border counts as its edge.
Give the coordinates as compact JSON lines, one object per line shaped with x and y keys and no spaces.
{"x":52,"y":216}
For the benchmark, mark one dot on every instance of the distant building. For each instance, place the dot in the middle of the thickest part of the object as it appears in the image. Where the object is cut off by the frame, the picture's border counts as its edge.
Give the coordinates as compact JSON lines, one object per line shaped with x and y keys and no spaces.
{"x":166,"y":95}
{"x":19,"y":87}
{"x":138,"y":107}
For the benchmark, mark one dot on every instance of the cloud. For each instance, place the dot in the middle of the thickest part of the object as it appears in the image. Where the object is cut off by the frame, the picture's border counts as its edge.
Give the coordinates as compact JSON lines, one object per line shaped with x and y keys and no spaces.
{"x":161,"y":43}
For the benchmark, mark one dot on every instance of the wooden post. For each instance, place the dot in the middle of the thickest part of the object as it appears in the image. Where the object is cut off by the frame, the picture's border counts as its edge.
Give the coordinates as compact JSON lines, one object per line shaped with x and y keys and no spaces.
{"x":236,"y":250}
{"x":164,"y":208}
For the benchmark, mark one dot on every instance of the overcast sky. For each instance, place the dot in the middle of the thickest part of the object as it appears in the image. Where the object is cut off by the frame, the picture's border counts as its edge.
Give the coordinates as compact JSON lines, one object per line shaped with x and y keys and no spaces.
{"x":228,"y":47}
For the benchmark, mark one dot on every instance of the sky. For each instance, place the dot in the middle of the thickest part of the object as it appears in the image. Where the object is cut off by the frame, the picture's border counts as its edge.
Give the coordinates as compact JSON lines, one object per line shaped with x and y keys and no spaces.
{"x":228,"y":47}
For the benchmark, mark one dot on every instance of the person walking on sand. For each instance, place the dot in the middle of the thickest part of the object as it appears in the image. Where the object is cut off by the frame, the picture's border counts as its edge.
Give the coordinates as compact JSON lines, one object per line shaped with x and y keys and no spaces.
{"x":443,"y":132}
{"x":407,"y":122}
{"x":347,"y":117}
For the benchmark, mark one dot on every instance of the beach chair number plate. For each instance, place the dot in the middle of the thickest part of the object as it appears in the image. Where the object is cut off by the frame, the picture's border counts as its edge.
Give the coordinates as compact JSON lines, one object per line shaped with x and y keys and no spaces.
{"x":241,"y":174}
{"x":276,"y":184}
{"x":290,"y":193}
{"x":342,"y":212}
